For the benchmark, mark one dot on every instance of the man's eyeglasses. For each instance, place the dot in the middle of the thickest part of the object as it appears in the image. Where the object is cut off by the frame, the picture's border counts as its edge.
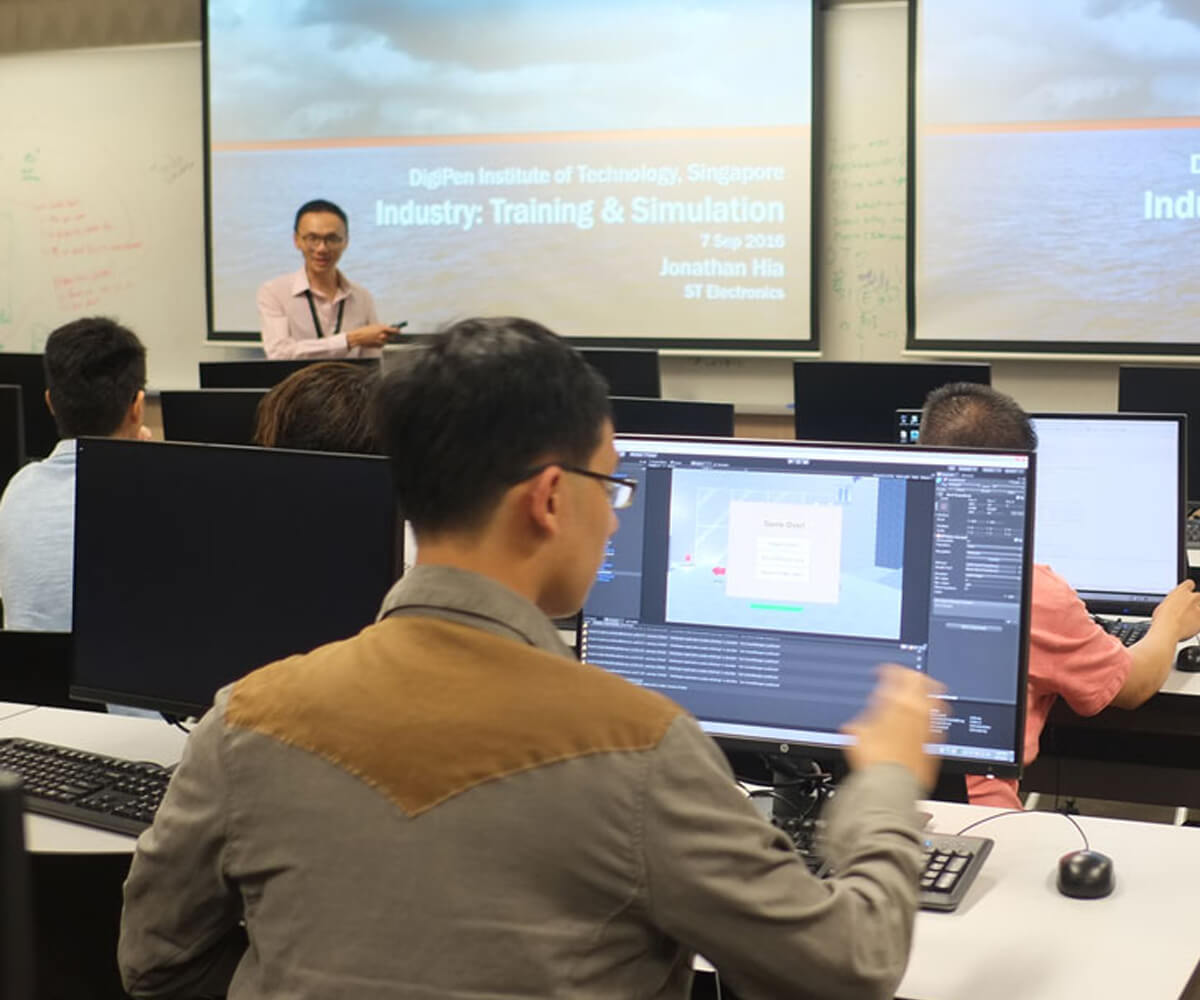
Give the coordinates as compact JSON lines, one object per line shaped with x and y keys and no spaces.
{"x":620,"y":490}
{"x":313,"y":240}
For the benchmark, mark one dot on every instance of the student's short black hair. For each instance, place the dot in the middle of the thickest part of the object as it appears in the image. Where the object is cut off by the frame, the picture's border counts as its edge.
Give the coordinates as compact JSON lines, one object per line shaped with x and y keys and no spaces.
{"x":969,"y":415}
{"x":319,"y":205}
{"x":485,"y":401}
{"x":94,"y":370}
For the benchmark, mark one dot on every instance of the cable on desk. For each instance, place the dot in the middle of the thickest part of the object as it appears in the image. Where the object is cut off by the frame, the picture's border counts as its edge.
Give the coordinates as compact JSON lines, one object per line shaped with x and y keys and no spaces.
{"x":173,"y":720}
{"x":1026,"y":812}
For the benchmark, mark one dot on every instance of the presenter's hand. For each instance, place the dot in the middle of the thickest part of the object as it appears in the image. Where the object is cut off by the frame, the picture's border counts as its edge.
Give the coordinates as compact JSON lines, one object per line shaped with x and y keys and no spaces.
{"x":145,"y":434}
{"x":897,"y":723}
{"x":1180,"y":611}
{"x":373,"y":335}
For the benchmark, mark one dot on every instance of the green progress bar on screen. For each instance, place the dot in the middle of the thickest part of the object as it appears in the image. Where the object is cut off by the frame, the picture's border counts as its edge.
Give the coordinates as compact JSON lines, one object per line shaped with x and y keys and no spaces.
{"x":777,"y":607}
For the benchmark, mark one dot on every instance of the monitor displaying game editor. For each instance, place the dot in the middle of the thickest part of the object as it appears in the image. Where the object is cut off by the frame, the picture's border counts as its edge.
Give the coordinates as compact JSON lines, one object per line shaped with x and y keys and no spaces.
{"x":761,"y":583}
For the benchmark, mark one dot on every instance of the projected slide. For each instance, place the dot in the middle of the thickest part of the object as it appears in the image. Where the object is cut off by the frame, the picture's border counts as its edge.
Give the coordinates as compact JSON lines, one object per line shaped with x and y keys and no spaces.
{"x":629,"y":169}
{"x":1058,"y":172}
{"x":818,"y":553}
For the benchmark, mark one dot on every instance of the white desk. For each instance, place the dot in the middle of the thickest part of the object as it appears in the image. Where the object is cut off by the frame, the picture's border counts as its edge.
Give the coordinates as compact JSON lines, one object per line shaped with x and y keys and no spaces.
{"x":1016,"y":936}
{"x":1013,"y":936}
{"x":10,"y":708}
{"x":116,"y":735}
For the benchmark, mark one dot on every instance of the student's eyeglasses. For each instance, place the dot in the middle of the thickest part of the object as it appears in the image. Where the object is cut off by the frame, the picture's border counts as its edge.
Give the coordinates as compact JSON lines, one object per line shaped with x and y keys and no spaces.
{"x":620,"y":490}
{"x":313,"y":240}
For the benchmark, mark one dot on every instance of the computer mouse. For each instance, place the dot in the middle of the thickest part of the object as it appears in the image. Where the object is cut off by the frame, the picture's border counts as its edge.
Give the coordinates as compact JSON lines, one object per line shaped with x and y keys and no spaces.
{"x":1188,"y":659}
{"x":1085,"y":874}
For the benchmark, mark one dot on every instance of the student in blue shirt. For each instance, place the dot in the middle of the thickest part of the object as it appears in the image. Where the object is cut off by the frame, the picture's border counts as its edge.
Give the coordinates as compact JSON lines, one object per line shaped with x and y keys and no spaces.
{"x":95,"y":378}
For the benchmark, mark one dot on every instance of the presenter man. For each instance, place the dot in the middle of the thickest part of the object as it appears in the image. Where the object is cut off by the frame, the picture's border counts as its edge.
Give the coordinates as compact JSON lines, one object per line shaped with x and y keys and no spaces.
{"x":317,"y":312}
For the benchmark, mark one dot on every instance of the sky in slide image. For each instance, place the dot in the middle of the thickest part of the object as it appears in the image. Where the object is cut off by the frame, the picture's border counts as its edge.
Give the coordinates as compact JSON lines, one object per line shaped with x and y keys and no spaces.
{"x":1058,"y":60}
{"x":322,"y":69}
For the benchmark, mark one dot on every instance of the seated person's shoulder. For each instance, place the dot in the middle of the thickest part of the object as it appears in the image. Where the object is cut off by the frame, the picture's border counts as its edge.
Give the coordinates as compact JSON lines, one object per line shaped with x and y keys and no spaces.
{"x":1051,"y":593}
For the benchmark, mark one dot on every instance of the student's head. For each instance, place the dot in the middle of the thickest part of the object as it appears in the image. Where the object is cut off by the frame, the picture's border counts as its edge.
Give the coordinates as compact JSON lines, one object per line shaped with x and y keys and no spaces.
{"x":484,"y":426}
{"x":321,"y":234}
{"x":95,"y":379}
{"x":967,"y":415}
{"x":322,"y":407}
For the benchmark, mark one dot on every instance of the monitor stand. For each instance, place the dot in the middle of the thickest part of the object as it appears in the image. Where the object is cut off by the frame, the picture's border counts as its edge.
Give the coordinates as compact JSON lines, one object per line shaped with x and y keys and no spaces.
{"x":800,"y":787}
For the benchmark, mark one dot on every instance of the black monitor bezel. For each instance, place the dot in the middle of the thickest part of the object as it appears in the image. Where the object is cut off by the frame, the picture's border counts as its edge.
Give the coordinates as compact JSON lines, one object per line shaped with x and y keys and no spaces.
{"x":834,"y":753}
{"x":283,"y":367}
{"x":675,"y":408}
{"x":823,"y":371}
{"x":169,"y":399}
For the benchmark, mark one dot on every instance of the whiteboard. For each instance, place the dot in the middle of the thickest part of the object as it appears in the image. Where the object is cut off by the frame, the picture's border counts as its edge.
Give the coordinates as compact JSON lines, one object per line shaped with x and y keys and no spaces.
{"x":863,"y":215}
{"x":102,"y":198}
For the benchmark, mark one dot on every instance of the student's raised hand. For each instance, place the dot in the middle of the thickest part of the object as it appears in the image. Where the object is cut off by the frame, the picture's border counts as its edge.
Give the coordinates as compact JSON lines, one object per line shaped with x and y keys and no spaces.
{"x":1180,"y":611}
{"x":372,"y":335}
{"x":897,"y":723}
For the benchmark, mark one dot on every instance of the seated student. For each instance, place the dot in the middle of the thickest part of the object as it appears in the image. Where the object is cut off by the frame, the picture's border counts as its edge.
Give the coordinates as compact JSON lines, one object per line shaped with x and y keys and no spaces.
{"x":324,"y":407}
{"x":449,"y":805}
{"x":1069,"y":654}
{"x":95,"y":382}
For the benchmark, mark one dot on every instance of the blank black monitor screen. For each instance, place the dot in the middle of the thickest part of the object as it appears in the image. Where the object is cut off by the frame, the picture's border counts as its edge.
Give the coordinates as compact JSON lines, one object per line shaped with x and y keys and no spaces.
{"x":260,"y":374}
{"x":211,"y":416}
{"x":761,"y":583}
{"x":628,"y":373}
{"x":1147,"y":389}
{"x":858,"y":400}
{"x":632,"y":415}
{"x":1104,"y":471}
{"x":195,"y":564}
{"x":27,"y":371}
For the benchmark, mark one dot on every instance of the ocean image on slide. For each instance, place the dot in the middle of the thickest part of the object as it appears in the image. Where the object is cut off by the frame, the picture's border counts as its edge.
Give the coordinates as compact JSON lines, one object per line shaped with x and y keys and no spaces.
{"x":1046,"y":235}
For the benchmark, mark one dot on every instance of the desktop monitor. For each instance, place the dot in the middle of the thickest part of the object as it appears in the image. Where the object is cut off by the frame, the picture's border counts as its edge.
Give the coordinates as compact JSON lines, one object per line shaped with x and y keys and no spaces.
{"x":632,"y":415}
{"x":1150,"y":389}
{"x":35,"y":669}
{"x":261,"y":374}
{"x":1110,"y":505}
{"x":857,"y":400}
{"x":211,"y":416}
{"x":195,"y":564}
{"x":27,"y":371}
{"x":12,"y":432}
{"x":627,"y":372}
{"x":761,"y":583}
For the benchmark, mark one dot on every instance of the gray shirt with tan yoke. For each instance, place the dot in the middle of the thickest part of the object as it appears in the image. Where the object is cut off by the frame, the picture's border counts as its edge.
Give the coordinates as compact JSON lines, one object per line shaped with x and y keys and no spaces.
{"x":447,"y":805}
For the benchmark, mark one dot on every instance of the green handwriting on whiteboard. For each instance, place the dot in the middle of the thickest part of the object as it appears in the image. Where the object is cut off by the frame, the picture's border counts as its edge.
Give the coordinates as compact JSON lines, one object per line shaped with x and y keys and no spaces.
{"x":29,"y":166}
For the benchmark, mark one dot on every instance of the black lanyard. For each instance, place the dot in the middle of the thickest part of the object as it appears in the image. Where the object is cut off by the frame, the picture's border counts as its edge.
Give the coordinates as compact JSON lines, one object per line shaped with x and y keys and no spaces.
{"x":316,"y":322}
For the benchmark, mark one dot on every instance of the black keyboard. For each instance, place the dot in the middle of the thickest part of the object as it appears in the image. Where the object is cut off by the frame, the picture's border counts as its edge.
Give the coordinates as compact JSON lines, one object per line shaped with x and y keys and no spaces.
{"x":1127,"y":632}
{"x":89,"y":788}
{"x":951,"y":861}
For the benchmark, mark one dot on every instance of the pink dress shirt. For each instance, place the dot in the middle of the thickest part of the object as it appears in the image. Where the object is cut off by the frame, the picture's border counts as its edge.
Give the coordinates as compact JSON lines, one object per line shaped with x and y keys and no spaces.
{"x":287,"y":326}
{"x":1069,"y":655}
